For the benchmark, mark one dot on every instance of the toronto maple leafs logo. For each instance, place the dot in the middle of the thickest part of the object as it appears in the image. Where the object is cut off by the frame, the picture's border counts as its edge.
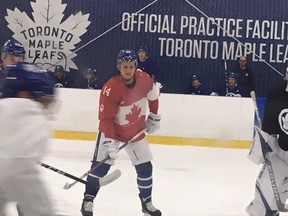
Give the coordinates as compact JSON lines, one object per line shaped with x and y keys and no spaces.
{"x":48,"y":39}
{"x":231,"y":94}
{"x":283,"y":120}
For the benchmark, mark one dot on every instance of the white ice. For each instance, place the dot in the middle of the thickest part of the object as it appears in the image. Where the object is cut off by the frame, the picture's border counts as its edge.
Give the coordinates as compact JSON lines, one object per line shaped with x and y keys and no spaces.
{"x":188,"y":181}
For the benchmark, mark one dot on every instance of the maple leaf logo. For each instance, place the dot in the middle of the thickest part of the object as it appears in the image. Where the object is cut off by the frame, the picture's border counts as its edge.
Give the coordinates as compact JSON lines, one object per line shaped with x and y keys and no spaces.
{"x":47,"y":39}
{"x":134,"y":114}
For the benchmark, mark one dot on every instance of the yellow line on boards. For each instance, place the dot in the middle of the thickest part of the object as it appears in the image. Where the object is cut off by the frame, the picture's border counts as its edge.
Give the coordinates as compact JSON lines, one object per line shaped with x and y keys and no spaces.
{"x":165,"y":140}
{"x":74,"y":135}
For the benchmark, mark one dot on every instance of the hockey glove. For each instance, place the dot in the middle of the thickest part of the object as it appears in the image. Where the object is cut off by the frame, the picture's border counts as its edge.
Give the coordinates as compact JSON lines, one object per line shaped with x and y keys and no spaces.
{"x":110,"y":146}
{"x":158,"y":85}
{"x":153,"y":123}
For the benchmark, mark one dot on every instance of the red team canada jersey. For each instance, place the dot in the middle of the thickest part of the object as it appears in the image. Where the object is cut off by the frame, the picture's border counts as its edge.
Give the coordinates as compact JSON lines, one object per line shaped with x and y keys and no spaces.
{"x":122,"y":108}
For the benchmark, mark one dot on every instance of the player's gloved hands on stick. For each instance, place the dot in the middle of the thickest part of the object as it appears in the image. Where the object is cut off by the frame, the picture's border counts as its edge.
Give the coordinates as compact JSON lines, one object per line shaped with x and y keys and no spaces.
{"x":153,"y":123}
{"x":111,"y":146}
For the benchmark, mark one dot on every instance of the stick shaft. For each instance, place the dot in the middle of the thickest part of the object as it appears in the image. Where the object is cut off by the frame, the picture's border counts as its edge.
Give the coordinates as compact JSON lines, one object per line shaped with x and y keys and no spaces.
{"x":282,"y":207}
{"x":257,"y":114}
{"x":62,"y":173}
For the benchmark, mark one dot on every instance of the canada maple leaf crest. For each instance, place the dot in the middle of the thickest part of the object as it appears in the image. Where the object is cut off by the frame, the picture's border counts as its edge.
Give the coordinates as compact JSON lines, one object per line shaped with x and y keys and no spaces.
{"x":134,"y":114}
{"x":47,"y":39}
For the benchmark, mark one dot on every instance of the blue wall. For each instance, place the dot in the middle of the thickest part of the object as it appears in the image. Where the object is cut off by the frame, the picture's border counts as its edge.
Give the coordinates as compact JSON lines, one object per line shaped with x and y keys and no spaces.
{"x":251,"y":22}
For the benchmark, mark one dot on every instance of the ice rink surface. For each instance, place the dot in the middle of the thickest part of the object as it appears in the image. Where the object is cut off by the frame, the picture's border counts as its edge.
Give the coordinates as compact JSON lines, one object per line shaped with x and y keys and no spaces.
{"x":188,"y":181}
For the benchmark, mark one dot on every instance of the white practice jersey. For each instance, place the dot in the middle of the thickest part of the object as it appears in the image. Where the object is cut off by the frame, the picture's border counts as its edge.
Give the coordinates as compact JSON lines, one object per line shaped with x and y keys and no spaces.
{"x":24,"y":129}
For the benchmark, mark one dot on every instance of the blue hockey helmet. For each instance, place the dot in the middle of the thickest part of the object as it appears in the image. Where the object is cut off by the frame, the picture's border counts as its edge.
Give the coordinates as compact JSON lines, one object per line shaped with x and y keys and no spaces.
{"x":127,"y":55}
{"x":28,"y":77}
{"x":59,"y":68}
{"x":195,"y":77}
{"x":232,"y":75}
{"x":14,"y":48}
{"x":91,"y":71}
{"x":143,"y":48}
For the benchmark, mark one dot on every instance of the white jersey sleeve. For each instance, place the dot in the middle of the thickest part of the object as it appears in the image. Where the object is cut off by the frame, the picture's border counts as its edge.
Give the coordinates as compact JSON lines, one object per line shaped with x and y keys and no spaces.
{"x":24,"y":129}
{"x":154,"y":93}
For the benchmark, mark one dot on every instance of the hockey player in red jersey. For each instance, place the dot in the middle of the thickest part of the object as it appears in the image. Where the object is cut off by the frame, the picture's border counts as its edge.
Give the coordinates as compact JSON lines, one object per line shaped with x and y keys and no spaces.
{"x":270,"y":147}
{"x":124,"y":100}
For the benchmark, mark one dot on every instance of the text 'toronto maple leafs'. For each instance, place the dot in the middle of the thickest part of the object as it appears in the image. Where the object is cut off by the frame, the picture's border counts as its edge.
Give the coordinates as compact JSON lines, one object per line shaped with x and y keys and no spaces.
{"x":47,"y":35}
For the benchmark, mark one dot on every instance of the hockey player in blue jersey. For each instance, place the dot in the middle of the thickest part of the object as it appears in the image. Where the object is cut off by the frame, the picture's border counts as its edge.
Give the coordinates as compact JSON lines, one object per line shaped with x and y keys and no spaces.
{"x":27,"y":94}
{"x":148,"y":65}
{"x":61,"y":78}
{"x":87,"y":80}
{"x":231,"y":88}
{"x":11,"y":53}
{"x":196,"y":87}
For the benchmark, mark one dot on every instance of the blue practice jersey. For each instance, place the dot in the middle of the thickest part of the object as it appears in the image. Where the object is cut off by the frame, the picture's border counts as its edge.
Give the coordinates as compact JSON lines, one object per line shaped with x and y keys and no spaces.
{"x":201,"y":90}
{"x":237,"y":91}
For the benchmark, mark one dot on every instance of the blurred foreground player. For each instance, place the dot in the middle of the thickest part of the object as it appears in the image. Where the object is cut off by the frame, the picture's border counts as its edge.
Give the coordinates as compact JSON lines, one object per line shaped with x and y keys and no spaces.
{"x":25,"y":132}
{"x":122,"y":113}
{"x":12,"y":52}
{"x":271,"y":148}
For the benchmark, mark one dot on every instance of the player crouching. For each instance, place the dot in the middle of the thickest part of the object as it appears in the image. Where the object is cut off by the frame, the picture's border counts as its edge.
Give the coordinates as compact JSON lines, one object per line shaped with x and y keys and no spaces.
{"x":270,"y":147}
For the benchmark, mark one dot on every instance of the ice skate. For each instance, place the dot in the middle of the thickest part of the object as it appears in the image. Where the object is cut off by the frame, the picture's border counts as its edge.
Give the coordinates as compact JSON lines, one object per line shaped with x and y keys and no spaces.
{"x":87,"y":206}
{"x":148,"y":209}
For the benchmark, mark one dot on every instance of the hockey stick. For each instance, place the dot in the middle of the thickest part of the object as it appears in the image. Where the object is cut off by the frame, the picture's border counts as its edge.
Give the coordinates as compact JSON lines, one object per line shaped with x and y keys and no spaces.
{"x":97,"y":183}
{"x":35,"y":58}
{"x":225,"y":69}
{"x":69,"y":185}
{"x":257,"y":114}
{"x":281,"y":206}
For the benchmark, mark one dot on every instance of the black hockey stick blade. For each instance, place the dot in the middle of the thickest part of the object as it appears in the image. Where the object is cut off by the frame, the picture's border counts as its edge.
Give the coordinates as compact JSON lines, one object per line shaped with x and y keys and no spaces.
{"x":97,"y":183}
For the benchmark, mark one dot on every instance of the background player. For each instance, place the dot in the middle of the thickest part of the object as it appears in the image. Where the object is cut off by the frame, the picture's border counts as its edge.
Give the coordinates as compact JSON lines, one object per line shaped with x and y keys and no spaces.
{"x":122,"y":112}
{"x":147,"y":64}
{"x":11,"y":53}
{"x":231,"y":88}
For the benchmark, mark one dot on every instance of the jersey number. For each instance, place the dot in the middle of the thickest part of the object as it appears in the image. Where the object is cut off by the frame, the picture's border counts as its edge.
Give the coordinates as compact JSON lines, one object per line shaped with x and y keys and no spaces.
{"x":106,"y":91}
